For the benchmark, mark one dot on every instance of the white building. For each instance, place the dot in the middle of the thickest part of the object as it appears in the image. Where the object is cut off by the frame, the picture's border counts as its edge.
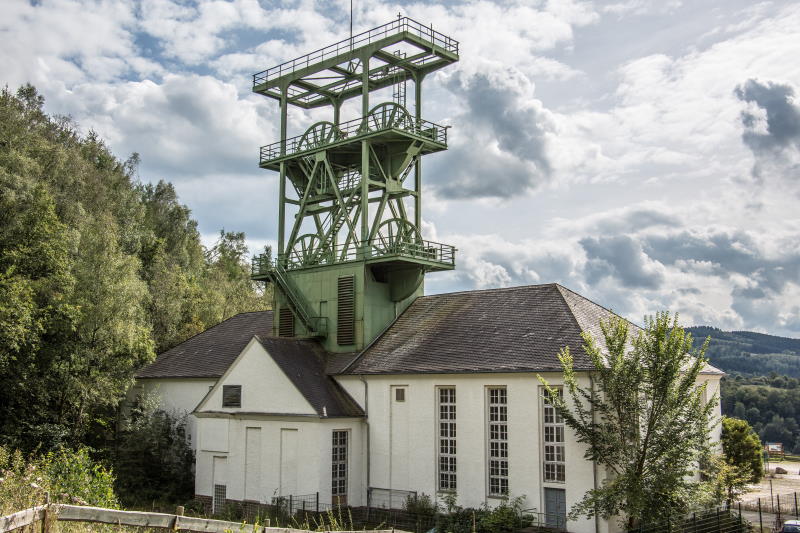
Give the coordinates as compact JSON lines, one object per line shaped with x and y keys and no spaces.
{"x":445,"y":400}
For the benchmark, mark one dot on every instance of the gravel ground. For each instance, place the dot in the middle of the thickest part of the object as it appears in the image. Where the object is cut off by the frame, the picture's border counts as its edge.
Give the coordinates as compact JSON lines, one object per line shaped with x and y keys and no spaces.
{"x":781,"y":483}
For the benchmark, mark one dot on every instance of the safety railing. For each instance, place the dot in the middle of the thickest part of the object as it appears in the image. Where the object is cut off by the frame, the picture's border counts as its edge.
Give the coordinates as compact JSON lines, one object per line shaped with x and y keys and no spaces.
{"x":545,"y":521}
{"x":435,"y":252}
{"x":399,"y":25}
{"x":261,"y":265}
{"x":427,"y":250}
{"x":347,"y":131}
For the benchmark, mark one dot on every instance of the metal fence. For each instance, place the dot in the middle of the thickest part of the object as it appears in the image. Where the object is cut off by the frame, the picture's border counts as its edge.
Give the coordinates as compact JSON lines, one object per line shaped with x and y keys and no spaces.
{"x":389,"y":498}
{"x":298,"y":503}
{"x":723,"y":519}
{"x":771,"y":512}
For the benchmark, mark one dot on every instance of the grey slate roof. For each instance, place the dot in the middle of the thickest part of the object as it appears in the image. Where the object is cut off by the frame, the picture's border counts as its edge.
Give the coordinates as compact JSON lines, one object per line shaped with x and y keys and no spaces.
{"x":210,"y":353}
{"x":517,"y":329}
{"x":304,"y":362}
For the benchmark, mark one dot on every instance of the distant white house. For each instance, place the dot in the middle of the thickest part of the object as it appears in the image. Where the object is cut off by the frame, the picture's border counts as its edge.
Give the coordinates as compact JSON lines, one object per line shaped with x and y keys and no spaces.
{"x":446,"y":400}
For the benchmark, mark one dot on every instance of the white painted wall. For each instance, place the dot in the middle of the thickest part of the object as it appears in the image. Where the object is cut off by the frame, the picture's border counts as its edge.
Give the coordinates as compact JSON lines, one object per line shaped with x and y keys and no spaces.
{"x":178,"y":397}
{"x":388,"y":448}
{"x":294,"y":442}
{"x":311,"y":453}
{"x":712,"y":390}
{"x":419,"y":444}
{"x":265,"y":387}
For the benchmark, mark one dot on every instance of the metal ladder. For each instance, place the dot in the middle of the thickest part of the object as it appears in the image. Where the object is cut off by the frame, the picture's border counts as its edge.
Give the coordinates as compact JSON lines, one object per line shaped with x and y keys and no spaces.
{"x":399,"y":87}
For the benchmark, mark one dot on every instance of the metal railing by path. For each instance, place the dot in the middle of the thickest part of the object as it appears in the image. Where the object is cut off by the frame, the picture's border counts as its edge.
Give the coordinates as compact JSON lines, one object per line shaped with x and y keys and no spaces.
{"x":297,"y":503}
{"x":399,"y":25}
{"x":388,"y":498}
{"x":352,"y":130}
{"x":722,"y":519}
{"x":546,"y":521}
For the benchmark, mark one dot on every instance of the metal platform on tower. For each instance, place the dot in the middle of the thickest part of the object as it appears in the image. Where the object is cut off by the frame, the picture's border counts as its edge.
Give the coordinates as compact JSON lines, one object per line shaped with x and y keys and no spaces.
{"x":350,"y":201}
{"x":399,"y":50}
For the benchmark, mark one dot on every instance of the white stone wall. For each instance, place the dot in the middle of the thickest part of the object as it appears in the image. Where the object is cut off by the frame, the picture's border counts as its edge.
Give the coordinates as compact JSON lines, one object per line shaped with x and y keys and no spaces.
{"x":293,"y":454}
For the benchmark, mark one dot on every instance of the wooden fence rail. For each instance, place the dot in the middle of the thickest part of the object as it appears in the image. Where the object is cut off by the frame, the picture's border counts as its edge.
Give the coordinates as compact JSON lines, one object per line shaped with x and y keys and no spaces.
{"x":175,"y":522}
{"x":22,"y":518}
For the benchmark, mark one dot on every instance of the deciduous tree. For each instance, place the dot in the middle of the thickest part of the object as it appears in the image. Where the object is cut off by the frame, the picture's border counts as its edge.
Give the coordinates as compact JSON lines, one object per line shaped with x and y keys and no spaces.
{"x":742,"y":448}
{"x":643,"y":420}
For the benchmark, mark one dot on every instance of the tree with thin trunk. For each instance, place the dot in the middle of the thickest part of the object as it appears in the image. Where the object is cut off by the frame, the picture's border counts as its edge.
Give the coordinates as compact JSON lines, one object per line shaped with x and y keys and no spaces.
{"x":643,"y":418}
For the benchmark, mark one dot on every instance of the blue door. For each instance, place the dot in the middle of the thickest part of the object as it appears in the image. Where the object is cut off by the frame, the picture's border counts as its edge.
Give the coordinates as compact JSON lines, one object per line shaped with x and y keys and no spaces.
{"x":555,"y":508}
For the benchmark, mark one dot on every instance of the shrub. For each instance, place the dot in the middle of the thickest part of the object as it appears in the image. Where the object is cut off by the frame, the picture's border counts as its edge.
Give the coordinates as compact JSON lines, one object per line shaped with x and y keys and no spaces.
{"x":68,"y":476}
{"x":506,"y":517}
{"x":76,"y":478}
{"x":153,"y":461}
{"x":421,"y":505}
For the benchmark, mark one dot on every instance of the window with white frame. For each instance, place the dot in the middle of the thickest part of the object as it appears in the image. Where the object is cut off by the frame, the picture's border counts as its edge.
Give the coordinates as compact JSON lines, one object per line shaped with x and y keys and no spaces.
{"x":498,"y":441}
{"x":553,"y":431}
{"x":339,"y":467}
{"x":447,"y":438}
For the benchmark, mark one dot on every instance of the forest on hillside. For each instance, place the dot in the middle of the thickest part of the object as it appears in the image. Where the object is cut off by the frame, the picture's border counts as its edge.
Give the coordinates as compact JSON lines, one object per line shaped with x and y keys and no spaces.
{"x":749,"y":353}
{"x":99,"y":272}
{"x":771,"y":404}
{"x":763,"y":382}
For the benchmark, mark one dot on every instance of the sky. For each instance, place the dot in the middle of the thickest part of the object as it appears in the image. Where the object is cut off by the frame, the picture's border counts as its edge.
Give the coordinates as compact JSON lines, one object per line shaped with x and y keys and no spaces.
{"x":643,"y":153}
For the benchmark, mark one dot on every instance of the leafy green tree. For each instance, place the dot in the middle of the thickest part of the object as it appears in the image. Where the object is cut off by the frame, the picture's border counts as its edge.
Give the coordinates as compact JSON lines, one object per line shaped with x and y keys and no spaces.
{"x":98,"y":272}
{"x":742,"y":448}
{"x":36,"y":314}
{"x":725,"y":482}
{"x":112,"y":336}
{"x":226,"y":285}
{"x":644,"y":419}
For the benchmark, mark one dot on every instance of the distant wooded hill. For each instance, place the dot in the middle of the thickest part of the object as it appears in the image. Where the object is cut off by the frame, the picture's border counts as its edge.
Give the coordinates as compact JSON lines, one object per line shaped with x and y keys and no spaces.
{"x":762,"y":385}
{"x":749,"y":353}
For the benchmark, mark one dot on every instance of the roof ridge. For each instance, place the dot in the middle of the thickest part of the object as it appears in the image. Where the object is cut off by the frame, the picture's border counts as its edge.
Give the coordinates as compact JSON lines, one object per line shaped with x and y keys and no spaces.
{"x":604,"y":308}
{"x":491,"y":289}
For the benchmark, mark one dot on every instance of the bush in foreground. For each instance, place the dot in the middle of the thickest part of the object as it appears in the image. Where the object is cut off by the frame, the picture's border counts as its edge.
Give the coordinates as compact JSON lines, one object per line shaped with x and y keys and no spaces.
{"x":68,"y":476}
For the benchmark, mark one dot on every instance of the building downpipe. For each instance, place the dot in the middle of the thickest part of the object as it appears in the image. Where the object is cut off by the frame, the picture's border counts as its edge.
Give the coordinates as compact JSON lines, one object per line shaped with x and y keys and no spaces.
{"x":366,"y":422}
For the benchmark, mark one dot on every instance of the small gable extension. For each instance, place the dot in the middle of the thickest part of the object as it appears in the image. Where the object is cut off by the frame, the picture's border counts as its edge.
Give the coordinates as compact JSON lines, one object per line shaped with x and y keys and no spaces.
{"x":265,"y":388}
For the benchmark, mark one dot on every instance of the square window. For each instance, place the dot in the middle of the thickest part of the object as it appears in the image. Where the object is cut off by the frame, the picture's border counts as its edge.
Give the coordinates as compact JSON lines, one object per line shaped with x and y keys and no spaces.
{"x":231,"y":396}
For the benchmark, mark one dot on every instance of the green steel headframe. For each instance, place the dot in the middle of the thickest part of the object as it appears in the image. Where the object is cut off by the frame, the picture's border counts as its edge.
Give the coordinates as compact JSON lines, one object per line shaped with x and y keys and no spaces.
{"x":351,"y":191}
